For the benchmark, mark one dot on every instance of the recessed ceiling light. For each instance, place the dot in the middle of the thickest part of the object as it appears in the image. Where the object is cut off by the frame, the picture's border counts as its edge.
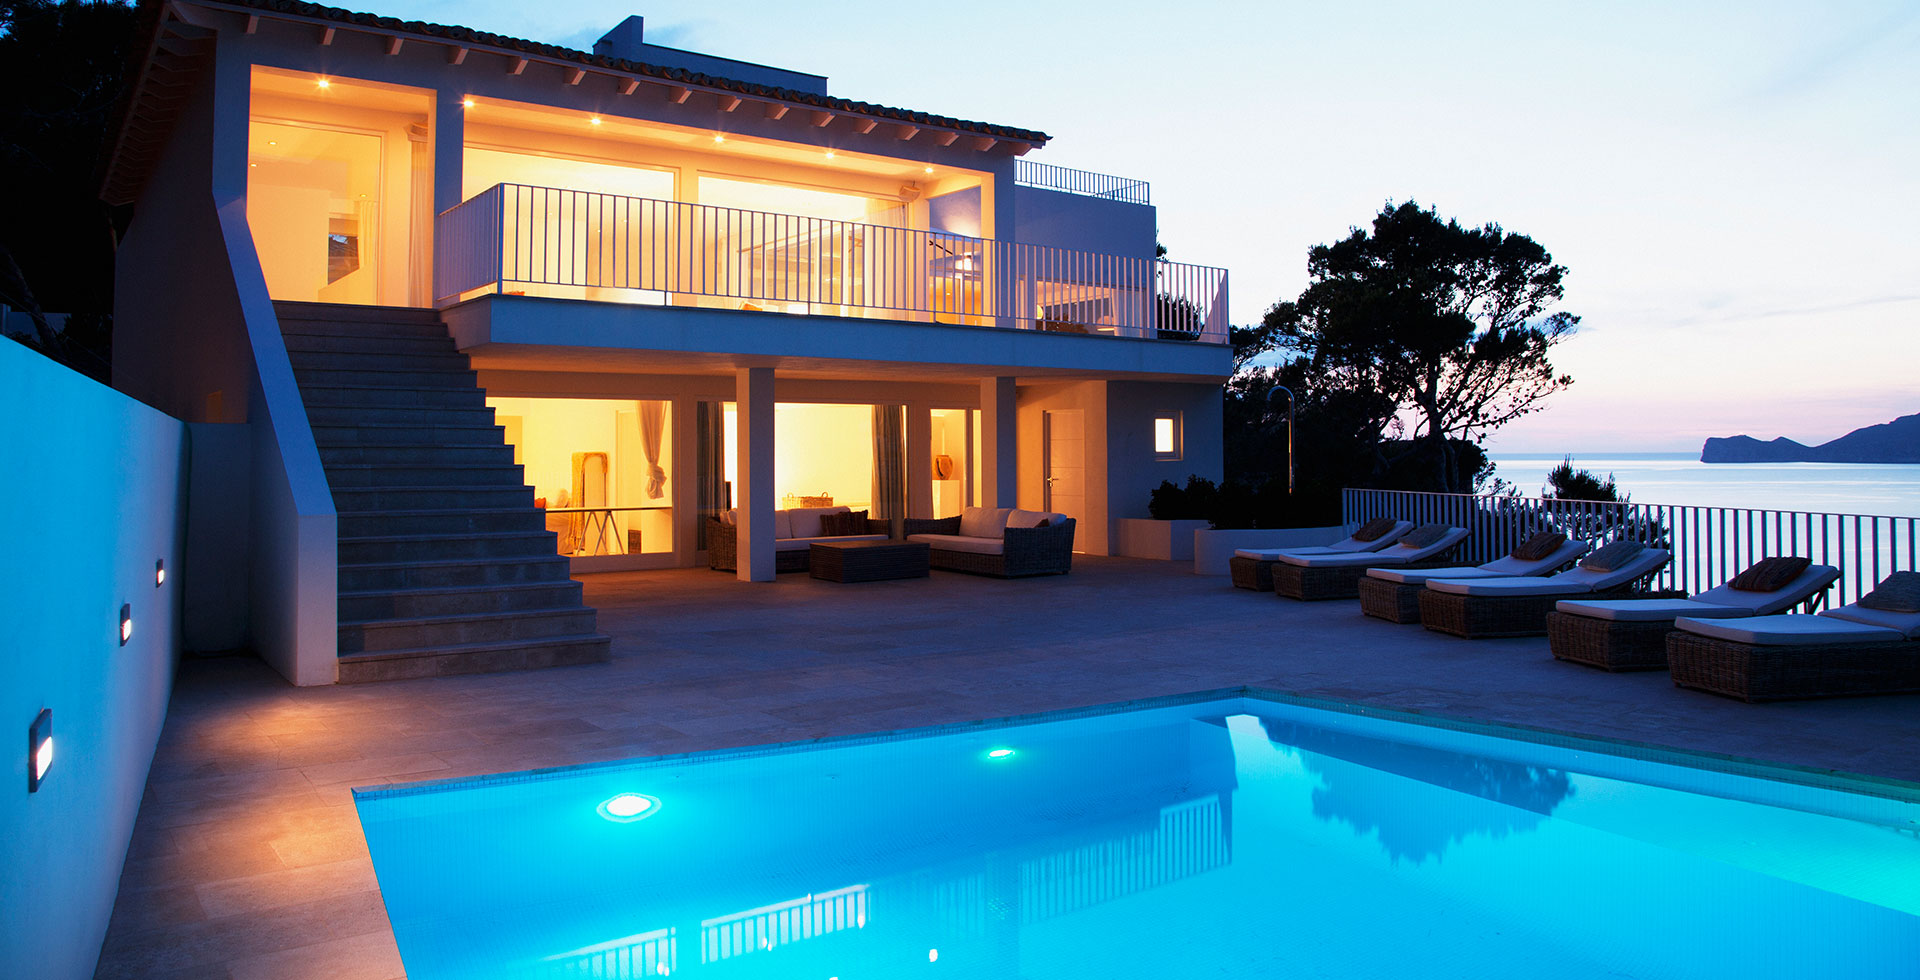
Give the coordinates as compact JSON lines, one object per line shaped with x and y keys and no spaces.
{"x":467,"y":103}
{"x":322,"y":83}
{"x":829,"y":154}
{"x":718,"y":138}
{"x":595,"y":120}
{"x":929,"y":170}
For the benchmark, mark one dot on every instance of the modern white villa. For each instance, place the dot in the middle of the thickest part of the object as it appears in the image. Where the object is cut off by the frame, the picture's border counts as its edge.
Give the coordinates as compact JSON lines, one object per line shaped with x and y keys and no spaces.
{"x":463,"y":314}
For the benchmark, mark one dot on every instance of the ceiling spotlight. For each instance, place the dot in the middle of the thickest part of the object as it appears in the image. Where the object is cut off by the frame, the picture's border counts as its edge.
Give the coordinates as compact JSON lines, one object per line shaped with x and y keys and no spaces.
{"x":322,"y":83}
{"x":829,"y":154}
{"x":595,"y":120}
{"x":929,"y":170}
{"x":717,"y":138}
{"x":466,"y":103}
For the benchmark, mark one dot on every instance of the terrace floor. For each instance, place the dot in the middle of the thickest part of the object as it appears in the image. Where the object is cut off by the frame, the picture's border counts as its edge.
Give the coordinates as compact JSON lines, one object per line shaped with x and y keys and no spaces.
{"x":247,"y":860}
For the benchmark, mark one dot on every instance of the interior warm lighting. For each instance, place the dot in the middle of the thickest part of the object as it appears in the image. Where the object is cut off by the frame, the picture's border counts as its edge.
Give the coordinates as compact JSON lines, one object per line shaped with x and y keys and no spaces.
{"x":322,"y":83}
{"x":595,"y":120}
{"x":159,"y":573}
{"x":999,"y":753}
{"x":126,"y":623}
{"x":1163,"y":435}
{"x":39,"y":749}
{"x":628,"y":807}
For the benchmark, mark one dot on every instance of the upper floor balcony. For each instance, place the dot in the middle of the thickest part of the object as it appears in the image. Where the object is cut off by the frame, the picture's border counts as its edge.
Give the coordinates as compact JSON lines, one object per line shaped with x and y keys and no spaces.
{"x":526,"y":240}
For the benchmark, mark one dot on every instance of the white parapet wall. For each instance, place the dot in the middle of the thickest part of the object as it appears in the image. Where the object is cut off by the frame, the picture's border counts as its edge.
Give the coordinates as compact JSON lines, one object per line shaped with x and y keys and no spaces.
{"x":1139,"y":537}
{"x":1212,"y":549}
{"x":93,"y":510}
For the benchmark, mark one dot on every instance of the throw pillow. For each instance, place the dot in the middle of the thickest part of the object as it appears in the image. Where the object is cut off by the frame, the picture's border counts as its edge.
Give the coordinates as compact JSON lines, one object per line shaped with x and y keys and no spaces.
{"x":1897,"y":593}
{"x":1424,"y":535}
{"x":1374,"y":529}
{"x":1539,"y":546}
{"x":1770,"y":574}
{"x":841,"y":525}
{"x":1613,"y":557}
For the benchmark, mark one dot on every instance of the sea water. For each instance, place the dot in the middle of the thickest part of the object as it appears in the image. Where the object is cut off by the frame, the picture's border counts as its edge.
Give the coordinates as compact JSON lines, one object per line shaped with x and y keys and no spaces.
{"x":1255,"y":836}
{"x":1887,"y":489}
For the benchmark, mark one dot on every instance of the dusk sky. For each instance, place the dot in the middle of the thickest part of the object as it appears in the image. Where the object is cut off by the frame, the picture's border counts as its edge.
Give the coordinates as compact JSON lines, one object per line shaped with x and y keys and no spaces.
{"x":1735,"y":188}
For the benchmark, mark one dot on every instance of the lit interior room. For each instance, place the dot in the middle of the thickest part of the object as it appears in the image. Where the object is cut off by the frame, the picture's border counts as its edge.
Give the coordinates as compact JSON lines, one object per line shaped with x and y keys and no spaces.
{"x":599,"y":468}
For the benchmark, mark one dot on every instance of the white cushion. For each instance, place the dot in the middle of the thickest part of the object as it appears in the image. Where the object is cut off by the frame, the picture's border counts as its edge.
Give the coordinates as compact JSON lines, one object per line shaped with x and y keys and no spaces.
{"x":805,"y":521}
{"x":1273,"y":554}
{"x":1568,"y":551}
{"x":1032,"y":518}
{"x":1343,"y":561}
{"x":961,"y":542}
{"x":1778,"y":631}
{"x":1416,"y":576}
{"x":1551,"y":585}
{"x":1907,"y":623}
{"x":1814,"y":580}
{"x":984,"y":522}
{"x":782,"y":524}
{"x":730,"y":516}
{"x":802,"y":544}
{"x":1648,"y":610}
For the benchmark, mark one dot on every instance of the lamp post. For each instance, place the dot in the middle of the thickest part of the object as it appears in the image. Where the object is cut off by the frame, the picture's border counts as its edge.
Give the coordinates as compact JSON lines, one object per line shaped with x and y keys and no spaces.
{"x":1277,"y":389}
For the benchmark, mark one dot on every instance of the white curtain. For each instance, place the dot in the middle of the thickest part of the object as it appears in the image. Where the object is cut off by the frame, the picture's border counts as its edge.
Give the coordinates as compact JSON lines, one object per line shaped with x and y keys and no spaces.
{"x":652,"y":417}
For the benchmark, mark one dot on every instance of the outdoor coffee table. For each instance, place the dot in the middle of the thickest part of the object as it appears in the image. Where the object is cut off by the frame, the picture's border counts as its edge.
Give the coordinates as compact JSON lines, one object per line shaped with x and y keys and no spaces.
{"x":867,"y":561}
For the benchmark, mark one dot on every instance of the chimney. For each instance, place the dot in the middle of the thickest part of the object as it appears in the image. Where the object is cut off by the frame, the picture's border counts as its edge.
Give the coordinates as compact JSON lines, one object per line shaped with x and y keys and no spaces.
{"x":625,"y":40}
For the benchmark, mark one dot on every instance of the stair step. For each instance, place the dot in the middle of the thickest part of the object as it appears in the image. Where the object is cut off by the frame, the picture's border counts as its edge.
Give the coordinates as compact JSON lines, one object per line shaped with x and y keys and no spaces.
{"x":436,"y":342}
{"x":404,"y":547}
{"x":458,"y":601}
{"x":448,"y":497}
{"x":392,"y":396}
{"x":458,"y":573}
{"x":344,"y":416}
{"x":307,"y":361}
{"x":450,"y":377}
{"x":407,"y":433}
{"x":475,"y":658}
{"x":387,"y":523}
{"x":424,"y":475}
{"x":417,"y":454}
{"x":355,"y":313}
{"x":380,"y":635}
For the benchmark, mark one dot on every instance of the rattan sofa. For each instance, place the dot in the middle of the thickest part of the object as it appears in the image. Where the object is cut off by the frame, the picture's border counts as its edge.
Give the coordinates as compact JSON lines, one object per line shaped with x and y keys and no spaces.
{"x":1017,"y":553}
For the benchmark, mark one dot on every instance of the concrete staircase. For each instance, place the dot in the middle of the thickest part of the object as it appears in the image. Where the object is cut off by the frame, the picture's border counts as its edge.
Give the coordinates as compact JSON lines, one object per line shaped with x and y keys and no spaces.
{"x":446,"y":567}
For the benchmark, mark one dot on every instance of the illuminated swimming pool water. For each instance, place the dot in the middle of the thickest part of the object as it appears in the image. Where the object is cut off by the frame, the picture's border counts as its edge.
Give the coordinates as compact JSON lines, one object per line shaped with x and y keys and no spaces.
{"x":1245,"y":836}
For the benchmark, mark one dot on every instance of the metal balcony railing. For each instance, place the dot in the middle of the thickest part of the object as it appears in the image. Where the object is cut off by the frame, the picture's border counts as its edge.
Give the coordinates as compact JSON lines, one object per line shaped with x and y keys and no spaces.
{"x":1086,"y":183}
{"x":1710,"y":544}
{"x":520,"y":239}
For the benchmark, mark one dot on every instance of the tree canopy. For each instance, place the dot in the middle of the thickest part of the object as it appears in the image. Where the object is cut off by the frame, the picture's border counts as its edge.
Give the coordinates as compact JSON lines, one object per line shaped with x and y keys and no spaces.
{"x":1450,"y":325}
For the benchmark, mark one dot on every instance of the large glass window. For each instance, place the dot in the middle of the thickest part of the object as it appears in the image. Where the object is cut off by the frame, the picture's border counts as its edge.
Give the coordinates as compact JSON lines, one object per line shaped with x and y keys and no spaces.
{"x":599,"y":467}
{"x":339,"y":189}
{"x":952,"y":473}
{"x":823,"y":456}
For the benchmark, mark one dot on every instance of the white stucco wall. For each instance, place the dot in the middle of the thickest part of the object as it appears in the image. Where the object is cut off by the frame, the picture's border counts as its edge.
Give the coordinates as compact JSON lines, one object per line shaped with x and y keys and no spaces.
{"x":94,"y":497}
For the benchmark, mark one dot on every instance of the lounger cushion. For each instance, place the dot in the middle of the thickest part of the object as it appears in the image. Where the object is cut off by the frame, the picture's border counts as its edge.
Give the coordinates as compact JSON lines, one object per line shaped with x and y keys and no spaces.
{"x":984,"y":522}
{"x":961,"y":542}
{"x":1510,"y":587}
{"x":1897,"y":593}
{"x":1780,"y":631}
{"x":1273,"y":554}
{"x":1647,"y":610}
{"x":1374,"y":529}
{"x":1539,"y":546}
{"x":1810,"y":582}
{"x":1907,"y":623}
{"x":1612,"y":557}
{"x":1416,"y":576}
{"x":1344,"y":561}
{"x":1770,"y":574}
{"x":1422,"y":536}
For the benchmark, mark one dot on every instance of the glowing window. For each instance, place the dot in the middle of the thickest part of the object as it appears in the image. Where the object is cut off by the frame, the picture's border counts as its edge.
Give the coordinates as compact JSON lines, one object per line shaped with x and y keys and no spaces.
{"x":1166,"y":436}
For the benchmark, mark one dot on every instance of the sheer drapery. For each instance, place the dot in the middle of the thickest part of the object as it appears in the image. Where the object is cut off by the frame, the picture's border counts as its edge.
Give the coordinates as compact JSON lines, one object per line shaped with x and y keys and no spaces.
{"x":889,"y":462}
{"x":652,"y":419}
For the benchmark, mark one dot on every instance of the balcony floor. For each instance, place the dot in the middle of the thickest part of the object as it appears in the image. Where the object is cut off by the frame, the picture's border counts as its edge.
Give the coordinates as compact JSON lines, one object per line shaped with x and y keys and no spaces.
{"x":247,"y":860}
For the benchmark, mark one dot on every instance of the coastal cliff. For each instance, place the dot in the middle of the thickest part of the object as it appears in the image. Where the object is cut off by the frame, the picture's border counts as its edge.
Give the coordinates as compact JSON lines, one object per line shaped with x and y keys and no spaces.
{"x":1897,"y":441}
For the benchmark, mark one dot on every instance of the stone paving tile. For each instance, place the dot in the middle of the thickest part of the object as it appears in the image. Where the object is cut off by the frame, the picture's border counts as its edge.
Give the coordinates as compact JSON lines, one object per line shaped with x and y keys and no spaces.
{"x":248,"y":860}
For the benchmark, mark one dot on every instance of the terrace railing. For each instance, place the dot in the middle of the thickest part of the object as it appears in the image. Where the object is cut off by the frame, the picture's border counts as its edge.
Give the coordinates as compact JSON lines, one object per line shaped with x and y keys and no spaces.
{"x":515,"y":238}
{"x":1029,"y":173}
{"x":1710,"y":544}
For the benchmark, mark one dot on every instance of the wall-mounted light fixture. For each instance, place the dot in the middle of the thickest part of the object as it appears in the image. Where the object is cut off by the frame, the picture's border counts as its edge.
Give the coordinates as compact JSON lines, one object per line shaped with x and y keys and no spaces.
{"x":466,"y":103}
{"x":159,"y":572}
{"x":126,"y":622}
{"x":39,"y":749}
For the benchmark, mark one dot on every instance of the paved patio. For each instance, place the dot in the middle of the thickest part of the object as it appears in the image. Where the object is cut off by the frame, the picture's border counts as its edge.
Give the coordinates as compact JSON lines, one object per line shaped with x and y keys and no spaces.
{"x":247,"y":861}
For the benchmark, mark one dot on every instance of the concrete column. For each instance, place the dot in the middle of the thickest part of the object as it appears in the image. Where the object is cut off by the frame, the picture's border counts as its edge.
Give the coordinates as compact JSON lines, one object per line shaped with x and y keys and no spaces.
{"x":919,"y":461}
{"x":449,"y":148}
{"x":999,"y":444}
{"x":753,"y":401}
{"x":683,"y":477}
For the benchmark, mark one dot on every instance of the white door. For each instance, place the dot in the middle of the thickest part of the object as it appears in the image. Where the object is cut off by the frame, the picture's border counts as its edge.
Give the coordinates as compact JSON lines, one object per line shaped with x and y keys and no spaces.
{"x":1066,"y":476}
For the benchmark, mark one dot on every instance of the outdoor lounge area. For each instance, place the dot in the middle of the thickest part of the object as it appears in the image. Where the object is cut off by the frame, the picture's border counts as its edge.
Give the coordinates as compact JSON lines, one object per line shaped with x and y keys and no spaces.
{"x":248,"y":859}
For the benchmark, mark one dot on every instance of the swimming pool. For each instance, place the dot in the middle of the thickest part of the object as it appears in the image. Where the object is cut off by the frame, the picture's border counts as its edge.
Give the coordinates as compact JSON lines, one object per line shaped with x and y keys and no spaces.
{"x":1246,"y":835}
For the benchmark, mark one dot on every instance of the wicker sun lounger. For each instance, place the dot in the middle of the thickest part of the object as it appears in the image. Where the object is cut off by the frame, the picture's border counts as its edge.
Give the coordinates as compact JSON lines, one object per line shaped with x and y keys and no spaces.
{"x":1852,"y":650}
{"x":1313,"y":578}
{"x":1631,"y":634}
{"x":1393,"y":594}
{"x":1476,"y":608}
{"x":1252,"y":568}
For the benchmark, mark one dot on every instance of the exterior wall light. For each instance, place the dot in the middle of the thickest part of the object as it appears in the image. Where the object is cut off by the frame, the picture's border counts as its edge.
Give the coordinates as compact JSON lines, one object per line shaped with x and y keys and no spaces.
{"x":39,"y":749}
{"x":126,"y":622}
{"x":466,"y":103}
{"x":159,"y":573}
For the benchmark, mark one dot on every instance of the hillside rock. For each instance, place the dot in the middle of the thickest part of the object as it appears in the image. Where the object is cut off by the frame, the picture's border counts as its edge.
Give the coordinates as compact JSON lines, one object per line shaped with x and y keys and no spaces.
{"x":1897,"y":441}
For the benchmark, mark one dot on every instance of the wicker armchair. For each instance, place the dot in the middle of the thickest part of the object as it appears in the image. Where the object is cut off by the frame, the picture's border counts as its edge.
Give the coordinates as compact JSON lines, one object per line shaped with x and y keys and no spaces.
{"x":1025,"y":550}
{"x":723,"y":547}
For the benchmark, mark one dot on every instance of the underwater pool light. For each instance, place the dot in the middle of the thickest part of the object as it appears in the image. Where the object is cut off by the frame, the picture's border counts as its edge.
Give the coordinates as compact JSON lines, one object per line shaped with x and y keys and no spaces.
{"x":628,"y":807}
{"x":999,"y":753}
